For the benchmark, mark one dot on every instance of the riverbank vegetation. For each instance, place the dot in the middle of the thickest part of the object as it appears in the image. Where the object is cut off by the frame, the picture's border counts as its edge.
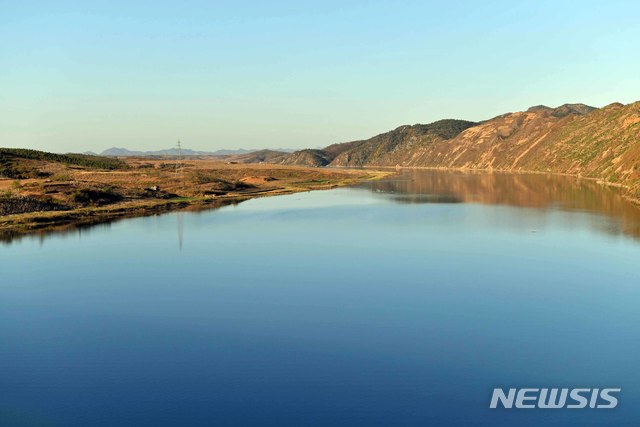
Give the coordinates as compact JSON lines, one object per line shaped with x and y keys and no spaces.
{"x":40,"y":190}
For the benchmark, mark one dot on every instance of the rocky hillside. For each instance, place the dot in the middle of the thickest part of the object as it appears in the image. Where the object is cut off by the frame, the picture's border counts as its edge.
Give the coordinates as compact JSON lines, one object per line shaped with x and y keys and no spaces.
{"x":309,"y":157}
{"x":315,"y":157}
{"x":401,"y":145}
{"x":573,"y":138}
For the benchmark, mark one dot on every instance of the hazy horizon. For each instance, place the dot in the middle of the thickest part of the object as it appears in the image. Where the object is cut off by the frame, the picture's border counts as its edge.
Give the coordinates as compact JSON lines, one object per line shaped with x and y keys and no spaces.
{"x":291,"y":75}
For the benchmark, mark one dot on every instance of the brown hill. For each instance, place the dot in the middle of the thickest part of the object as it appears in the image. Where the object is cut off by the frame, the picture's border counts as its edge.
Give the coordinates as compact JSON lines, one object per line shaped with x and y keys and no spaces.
{"x":309,"y":157}
{"x":389,"y":148}
{"x":315,"y":157}
{"x":602,"y":144}
{"x":401,"y":146}
{"x":260,"y":156}
{"x":572,"y":139}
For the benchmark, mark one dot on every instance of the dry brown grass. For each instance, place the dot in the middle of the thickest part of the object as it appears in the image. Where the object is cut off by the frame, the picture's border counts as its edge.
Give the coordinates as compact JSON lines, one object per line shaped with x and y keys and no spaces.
{"x":200,"y":183}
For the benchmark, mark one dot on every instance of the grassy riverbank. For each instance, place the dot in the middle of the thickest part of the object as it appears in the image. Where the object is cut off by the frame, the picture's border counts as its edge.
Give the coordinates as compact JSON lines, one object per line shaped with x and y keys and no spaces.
{"x":52,"y":194}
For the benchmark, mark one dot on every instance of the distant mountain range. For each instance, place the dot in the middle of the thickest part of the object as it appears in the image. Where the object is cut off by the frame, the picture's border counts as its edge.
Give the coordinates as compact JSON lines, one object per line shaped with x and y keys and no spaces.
{"x":124,"y":152}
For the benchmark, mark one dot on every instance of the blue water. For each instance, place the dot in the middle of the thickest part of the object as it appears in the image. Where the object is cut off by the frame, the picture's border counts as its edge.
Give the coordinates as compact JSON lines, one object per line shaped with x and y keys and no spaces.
{"x":401,"y":303}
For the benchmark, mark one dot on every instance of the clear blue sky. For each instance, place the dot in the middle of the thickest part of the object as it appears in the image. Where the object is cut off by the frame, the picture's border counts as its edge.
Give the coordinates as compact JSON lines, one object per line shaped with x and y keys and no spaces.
{"x":88,"y":75}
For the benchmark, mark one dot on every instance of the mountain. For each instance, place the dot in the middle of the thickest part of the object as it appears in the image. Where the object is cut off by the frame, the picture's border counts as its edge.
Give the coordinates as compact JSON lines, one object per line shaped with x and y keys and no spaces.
{"x":385,"y":149}
{"x":571,"y":139}
{"x":120,"y":152}
{"x":498,"y":143}
{"x":402,"y":145}
{"x":564,"y":110}
{"x":319,"y":157}
{"x":123,"y":152}
{"x":260,"y":156}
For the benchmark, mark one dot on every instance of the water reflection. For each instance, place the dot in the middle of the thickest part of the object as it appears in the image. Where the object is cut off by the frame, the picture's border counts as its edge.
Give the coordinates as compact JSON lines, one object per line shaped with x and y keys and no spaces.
{"x":546,"y":192}
{"x":345,"y":307}
{"x":65,"y":231}
{"x":180,"y":220}
{"x":522,"y":190}
{"x":78,"y":229}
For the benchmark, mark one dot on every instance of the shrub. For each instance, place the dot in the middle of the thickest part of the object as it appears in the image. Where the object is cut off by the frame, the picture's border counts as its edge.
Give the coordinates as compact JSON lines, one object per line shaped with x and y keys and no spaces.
{"x":97,"y":197}
{"x":14,"y":170}
{"x":10,"y":205}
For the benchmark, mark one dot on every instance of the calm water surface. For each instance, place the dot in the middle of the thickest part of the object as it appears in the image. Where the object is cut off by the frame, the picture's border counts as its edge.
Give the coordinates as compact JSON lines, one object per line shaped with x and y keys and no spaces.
{"x":403,"y":303}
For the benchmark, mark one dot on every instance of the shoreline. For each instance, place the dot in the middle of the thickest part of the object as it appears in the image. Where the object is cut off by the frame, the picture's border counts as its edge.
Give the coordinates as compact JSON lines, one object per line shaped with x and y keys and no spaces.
{"x":43,"y":222}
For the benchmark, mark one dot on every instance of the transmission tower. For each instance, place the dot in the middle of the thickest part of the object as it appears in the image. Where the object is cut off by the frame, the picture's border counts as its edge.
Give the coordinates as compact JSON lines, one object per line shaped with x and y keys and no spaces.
{"x":179,"y":162}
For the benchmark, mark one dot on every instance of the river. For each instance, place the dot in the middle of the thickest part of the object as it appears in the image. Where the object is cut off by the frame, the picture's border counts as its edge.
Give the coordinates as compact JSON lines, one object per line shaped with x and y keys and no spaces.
{"x":402,"y":302}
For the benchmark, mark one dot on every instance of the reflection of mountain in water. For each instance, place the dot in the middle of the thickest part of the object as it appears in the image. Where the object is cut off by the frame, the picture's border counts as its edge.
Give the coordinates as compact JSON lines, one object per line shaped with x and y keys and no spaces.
{"x":522,"y":190}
